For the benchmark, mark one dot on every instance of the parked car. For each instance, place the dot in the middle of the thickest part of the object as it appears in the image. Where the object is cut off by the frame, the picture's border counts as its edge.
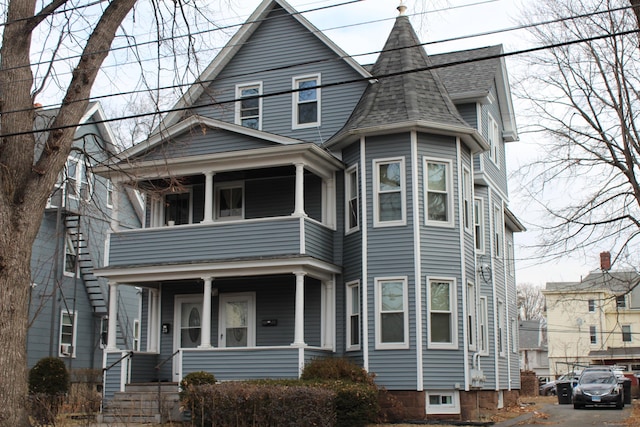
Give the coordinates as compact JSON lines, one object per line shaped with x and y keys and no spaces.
{"x":549,"y":388}
{"x":598,"y":387}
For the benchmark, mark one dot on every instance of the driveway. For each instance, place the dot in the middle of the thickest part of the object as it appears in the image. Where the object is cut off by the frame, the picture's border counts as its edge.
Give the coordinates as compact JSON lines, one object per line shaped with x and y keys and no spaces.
{"x":566,"y":416}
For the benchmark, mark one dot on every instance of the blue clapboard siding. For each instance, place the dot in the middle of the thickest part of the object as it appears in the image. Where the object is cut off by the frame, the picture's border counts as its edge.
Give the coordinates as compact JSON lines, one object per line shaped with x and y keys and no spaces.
{"x":206,"y":242}
{"x":390,"y":254}
{"x":143,"y":367}
{"x":112,"y":377}
{"x":201,"y":140}
{"x":469,"y":113}
{"x":273,"y":40}
{"x":239,"y":364}
{"x":319,"y":241}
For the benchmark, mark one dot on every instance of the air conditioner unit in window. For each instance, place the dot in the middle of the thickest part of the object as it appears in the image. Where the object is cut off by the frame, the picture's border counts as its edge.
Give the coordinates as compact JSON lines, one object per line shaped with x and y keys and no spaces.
{"x":65,"y":349}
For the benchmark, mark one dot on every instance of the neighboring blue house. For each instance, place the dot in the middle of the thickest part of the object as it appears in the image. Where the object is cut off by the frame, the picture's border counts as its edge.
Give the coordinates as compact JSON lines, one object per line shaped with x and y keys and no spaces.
{"x":68,"y":309}
{"x":300,"y":205}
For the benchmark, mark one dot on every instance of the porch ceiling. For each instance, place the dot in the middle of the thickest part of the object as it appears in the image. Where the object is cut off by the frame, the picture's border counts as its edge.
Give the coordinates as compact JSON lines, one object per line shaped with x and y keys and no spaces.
{"x":230,"y":268}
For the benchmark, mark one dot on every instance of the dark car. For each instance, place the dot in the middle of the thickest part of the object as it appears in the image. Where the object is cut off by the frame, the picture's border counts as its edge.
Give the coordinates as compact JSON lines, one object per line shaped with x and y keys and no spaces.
{"x":598,"y":387}
{"x":549,"y":388}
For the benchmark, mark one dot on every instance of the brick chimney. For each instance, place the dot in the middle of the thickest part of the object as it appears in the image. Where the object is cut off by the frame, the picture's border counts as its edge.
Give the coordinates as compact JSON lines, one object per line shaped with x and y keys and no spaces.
{"x":605,"y":261}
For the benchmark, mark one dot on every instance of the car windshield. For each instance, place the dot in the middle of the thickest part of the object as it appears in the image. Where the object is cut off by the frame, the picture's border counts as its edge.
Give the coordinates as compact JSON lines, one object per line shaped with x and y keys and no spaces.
{"x":598,"y":378}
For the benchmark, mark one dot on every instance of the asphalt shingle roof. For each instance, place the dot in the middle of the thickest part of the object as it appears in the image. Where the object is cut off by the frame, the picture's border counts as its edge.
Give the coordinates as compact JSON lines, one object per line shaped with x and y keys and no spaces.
{"x":400,"y":96}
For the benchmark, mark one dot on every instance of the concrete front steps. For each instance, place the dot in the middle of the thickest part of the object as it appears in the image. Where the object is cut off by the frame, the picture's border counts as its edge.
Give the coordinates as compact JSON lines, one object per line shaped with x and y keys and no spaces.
{"x":143,"y":403}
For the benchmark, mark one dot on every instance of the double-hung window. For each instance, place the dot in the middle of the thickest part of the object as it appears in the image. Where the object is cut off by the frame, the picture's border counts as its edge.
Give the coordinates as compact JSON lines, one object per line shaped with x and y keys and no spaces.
{"x":110,"y":193}
{"x":483,"y":326}
{"x":442,"y":313}
{"x":439,"y":197}
{"x":389,"y":198}
{"x":478,"y":224}
{"x":67,"y":337}
{"x":467,"y":215}
{"x":79,"y":179}
{"x":177,"y":208}
{"x":593,"y":337}
{"x":498,"y":225}
{"x":621,"y":301}
{"x":351,"y":198}
{"x":392,"y":317}
{"x":494,"y":140}
{"x":230,"y":201}
{"x":626,"y":333}
{"x":70,"y":255}
{"x":592,"y":305}
{"x":471,"y":316}
{"x":249,"y":105}
{"x":306,"y":101}
{"x":353,"y":316}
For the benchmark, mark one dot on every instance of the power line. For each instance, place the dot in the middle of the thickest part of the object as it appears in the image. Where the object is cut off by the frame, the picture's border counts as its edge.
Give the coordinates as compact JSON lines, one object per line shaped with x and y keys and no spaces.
{"x":177,"y":86}
{"x":464,"y":37}
{"x":350,"y":81}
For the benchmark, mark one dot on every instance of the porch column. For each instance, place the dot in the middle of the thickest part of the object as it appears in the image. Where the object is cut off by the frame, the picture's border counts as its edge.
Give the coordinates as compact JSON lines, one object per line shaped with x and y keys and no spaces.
{"x":328,"y":314}
{"x":205,"y":341}
{"x":298,"y":337}
{"x":113,"y":316}
{"x":299,"y":202}
{"x":208,"y":197}
{"x":153,"y":329}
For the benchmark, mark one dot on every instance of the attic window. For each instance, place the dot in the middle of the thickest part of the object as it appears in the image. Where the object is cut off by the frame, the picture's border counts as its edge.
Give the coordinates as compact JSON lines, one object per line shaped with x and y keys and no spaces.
{"x":249,"y":105}
{"x":306,"y":101}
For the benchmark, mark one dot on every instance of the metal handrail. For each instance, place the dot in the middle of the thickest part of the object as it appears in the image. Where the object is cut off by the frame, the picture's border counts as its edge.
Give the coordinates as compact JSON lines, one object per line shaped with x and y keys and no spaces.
{"x":159,"y":365}
{"x":128,"y":354}
{"x":157,"y":369}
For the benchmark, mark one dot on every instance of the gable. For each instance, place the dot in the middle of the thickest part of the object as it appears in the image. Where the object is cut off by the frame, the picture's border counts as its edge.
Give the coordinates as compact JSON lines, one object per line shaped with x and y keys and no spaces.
{"x":199,"y":139}
{"x":278,"y":51}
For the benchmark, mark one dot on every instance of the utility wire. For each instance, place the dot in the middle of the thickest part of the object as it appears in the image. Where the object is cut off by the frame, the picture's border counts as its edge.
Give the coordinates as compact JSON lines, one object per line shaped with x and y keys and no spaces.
{"x":345,"y":82}
{"x":181,"y":85}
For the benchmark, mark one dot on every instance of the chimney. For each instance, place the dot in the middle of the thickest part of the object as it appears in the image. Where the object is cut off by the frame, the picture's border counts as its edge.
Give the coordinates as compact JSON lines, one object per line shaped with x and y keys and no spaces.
{"x":605,"y":261}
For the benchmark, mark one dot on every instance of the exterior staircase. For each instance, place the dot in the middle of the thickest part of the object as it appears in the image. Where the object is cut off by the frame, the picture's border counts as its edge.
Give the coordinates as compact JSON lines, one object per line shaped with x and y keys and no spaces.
{"x":143,"y":403}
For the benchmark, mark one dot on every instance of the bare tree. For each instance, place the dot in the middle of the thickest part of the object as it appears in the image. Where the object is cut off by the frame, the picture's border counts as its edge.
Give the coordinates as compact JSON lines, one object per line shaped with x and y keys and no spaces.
{"x":583,"y":93}
{"x":530,"y":302}
{"x":636,"y":9}
{"x":69,"y":41}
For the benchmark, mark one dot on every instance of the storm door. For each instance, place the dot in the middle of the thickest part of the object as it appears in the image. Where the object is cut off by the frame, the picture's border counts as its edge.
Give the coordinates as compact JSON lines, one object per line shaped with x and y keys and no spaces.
{"x":187,"y":325}
{"x":237,"y":320}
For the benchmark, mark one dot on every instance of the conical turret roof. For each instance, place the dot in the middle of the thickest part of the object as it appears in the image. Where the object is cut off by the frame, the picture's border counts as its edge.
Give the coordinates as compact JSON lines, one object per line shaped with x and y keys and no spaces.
{"x":401,"y":95}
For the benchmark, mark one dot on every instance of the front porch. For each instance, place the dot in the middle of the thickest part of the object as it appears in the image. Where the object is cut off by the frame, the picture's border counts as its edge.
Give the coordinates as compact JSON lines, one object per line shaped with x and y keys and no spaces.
{"x":227,"y":364}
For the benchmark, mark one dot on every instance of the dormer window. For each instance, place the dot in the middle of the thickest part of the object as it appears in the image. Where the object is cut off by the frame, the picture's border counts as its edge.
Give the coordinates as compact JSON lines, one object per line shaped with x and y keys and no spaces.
{"x":249,"y":105}
{"x":306,"y":101}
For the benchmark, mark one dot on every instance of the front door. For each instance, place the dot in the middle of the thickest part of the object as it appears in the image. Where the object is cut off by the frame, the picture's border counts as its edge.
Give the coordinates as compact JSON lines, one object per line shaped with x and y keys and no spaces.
{"x":237,"y":320}
{"x":188,"y":326}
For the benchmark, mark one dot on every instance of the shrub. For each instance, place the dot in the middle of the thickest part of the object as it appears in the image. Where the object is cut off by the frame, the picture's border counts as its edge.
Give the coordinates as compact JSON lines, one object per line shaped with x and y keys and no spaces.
{"x":190,"y":396}
{"x":48,"y":384}
{"x":336,"y":368}
{"x":243,"y":404}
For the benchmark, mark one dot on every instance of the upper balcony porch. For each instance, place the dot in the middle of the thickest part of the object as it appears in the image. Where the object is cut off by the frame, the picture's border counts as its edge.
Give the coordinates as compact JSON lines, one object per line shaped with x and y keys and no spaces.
{"x":235,"y":211}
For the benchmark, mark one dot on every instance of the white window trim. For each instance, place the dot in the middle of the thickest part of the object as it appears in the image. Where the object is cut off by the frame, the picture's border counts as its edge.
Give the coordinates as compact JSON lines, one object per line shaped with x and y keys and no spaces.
{"x":294,"y":104}
{"x":136,"y":335}
{"x":74,"y":336}
{"x":81,"y":171}
{"x":349,"y":313}
{"x":468,"y":216}
{"x":480,"y":224}
{"x":472,"y":315}
{"x":347,"y":198}
{"x":110,"y":193}
{"x":224,"y":186}
{"x":623,"y":333}
{"x":513,"y":335}
{"x":239,"y":88}
{"x":454,"y":408}
{"x":450,"y":219}
{"x":453,"y":292}
{"x":493,"y":135}
{"x":69,"y":242}
{"x":589,"y":301}
{"x":376,"y":190}
{"x":378,"y":297}
{"x":483,"y":320}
